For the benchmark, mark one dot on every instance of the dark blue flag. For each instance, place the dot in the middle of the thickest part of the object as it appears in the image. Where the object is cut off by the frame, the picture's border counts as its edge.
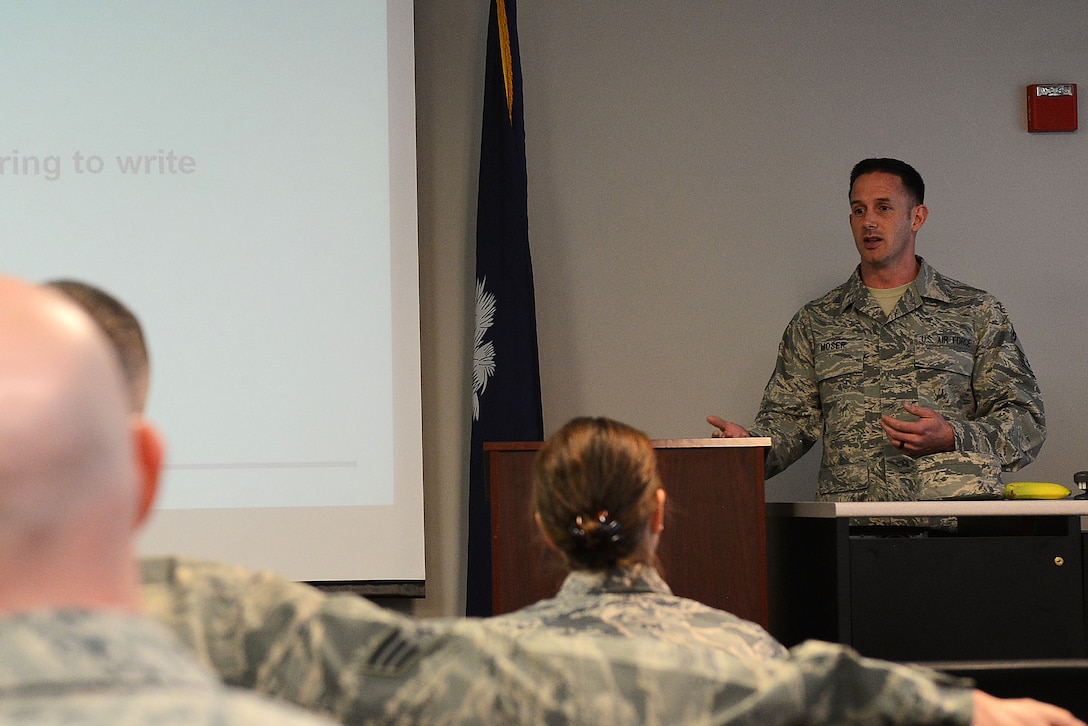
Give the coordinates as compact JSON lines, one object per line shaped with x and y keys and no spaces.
{"x":505,"y":368}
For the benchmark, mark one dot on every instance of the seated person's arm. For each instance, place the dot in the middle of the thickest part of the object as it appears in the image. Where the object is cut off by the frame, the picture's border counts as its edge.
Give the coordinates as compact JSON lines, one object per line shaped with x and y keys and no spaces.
{"x":261,"y":631}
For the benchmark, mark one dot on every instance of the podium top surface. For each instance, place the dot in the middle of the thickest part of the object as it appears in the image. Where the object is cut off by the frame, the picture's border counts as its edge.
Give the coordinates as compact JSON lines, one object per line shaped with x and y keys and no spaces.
{"x":707,"y":443}
{"x":946,"y":508}
{"x":747,"y":442}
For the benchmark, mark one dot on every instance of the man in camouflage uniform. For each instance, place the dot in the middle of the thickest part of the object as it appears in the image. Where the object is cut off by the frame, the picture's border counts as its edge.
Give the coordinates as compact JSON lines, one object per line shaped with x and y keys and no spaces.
{"x":77,"y":475}
{"x":917,"y":382}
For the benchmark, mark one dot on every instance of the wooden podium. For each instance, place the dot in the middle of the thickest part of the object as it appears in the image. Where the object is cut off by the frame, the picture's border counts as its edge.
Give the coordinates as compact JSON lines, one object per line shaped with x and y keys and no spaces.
{"x":713,"y":548}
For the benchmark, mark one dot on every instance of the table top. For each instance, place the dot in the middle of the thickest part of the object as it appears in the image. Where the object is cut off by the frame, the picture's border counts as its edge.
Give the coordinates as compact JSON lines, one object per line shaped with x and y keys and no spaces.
{"x":947,"y":508}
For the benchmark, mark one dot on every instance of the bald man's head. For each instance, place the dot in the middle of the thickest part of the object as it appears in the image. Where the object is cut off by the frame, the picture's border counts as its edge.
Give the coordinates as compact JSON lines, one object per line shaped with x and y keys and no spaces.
{"x":74,"y":472}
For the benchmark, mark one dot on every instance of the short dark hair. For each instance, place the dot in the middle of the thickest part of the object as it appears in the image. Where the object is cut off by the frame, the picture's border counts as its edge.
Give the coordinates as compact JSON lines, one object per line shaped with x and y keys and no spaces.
{"x":120,"y":325}
{"x":912,"y":180}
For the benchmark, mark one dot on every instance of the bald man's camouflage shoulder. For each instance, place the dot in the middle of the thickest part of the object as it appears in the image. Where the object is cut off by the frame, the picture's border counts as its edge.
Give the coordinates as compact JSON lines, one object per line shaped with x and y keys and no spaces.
{"x":344,"y":656}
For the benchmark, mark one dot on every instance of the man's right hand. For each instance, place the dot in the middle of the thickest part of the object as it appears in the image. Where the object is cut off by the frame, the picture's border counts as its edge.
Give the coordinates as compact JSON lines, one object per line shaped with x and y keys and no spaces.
{"x":726,"y":429}
{"x":991,"y":711}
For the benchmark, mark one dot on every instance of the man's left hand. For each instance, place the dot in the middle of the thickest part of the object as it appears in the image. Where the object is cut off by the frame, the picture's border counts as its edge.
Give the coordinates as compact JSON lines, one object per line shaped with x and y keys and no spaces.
{"x":930,"y":434}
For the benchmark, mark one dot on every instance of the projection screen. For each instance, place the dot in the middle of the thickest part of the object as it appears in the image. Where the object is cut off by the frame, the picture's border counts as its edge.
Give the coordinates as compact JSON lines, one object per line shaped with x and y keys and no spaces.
{"x":241,"y":173}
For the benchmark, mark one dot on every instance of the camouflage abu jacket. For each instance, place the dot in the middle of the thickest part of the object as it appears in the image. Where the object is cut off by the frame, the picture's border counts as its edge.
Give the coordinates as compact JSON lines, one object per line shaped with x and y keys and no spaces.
{"x":342,"y":655}
{"x":636,"y":601}
{"x":79,"y":667}
{"x":843,"y":363}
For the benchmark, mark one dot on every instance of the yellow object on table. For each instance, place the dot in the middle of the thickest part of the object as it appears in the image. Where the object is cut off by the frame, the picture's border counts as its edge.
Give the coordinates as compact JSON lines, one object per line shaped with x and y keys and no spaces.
{"x":1035,"y":490}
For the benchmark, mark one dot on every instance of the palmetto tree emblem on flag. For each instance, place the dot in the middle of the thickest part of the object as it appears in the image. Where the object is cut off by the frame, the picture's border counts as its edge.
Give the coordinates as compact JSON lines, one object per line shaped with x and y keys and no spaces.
{"x":483,"y":353}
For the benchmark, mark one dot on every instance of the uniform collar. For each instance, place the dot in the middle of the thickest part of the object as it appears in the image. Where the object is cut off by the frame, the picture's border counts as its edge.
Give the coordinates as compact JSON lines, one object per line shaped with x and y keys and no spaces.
{"x":927,"y":284}
{"x":633,"y":578}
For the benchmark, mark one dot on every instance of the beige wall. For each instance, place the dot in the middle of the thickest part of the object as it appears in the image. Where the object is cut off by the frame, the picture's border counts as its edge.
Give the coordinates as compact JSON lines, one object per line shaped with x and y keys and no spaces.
{"x":687,"y":193}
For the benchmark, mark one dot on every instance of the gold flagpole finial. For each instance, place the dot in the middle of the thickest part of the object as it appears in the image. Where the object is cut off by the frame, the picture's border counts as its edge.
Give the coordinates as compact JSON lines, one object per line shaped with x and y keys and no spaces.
{"x":507,"y":57}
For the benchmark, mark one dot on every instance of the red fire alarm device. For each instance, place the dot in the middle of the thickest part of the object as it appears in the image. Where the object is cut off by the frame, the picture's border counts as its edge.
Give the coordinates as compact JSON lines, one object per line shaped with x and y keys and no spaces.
{"x":1052,"y":107}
